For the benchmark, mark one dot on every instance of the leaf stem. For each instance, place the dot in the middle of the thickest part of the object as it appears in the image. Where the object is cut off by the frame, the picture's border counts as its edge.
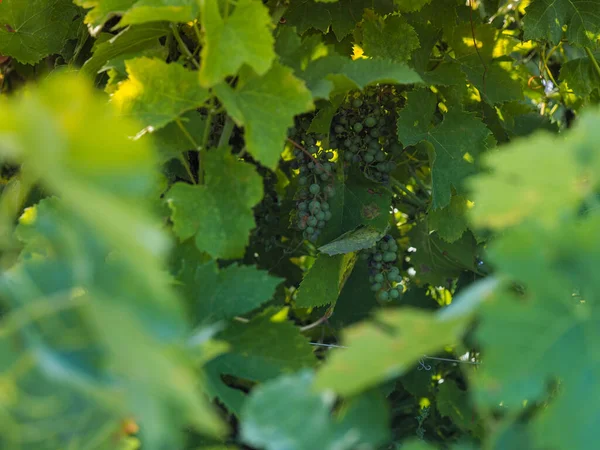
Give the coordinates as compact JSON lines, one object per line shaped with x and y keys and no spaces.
{"x":184,"y":48}
{"x":226,"y":133}
{"x":194,"y":144}
{"x":593,"y":59}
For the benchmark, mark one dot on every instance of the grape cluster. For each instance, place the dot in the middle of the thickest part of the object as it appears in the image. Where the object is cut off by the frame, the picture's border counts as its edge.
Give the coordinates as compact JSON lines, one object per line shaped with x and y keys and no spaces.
{"x":266,"y":215}
{"x":384,"y":276}
{"x":315,"y":185}
{"x":364,"y":129}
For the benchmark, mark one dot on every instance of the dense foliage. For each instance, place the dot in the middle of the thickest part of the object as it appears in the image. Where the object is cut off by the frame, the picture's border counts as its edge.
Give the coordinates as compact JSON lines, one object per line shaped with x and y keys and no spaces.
{"x":299,"y":224}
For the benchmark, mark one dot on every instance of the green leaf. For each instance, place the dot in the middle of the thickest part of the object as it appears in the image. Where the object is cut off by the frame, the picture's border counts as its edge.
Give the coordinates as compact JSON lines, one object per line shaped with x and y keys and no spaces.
{"x":545,"y":19}
{"x":232,"y":188}
{"x":437,"y":261}
{"x":453,"y":402}
{"x":411,"y":5}
{"x":390,"y":38}
{"x":131,"y":41}
{"x":325,"y":279}
{"x":557,"y":312}
{"x":358,"y":202}
{"x":353,"y":241}
{"x":456,"y":142}
{"x":332,"y":76}
{"x":139,"y":11}
{"x":31,"y":30}
{"x":450,"y":222}
{"x":342,"y":16}
{"x":279,"y":413}
{"x":581,"y":75}
{"x":153,"y":92}
{"x":401,"y":338}
{"x":242,"y":37}
{"x":539,"y":178}
{"x":266,"y":107}
{"x":115,"y":312}
{"x":226,"y":293}
{"x":260,"y":350}
{"x":171,"y":140}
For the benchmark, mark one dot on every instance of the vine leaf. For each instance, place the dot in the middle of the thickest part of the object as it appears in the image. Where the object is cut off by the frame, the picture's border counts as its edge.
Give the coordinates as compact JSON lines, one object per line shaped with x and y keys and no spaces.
{"x":523,"y":185}
{"x":278,"y":413}
{"x":260,"y":350}
{"x":131,"y":41}
{"x":545,"y":19}
{"x":352,"y":241}
{"x":31,"y":30}
{"x":333,"y":76}
{"x":232,"y":188}
{"x":391,"y":38}
{"x":243,"y":37}
{"x":342,"y":15}
{"x":266,"y":107}
{"x":223,"y":294}
{"x":152,"y":93}
{"x":450,"y":222}
{"x":400,"y":336}
{"x":581,"y":75}
{"x":139,"y":11}
{"x":456,"y":142}
{"x":557,"y":312}
{"x":325,"y":279}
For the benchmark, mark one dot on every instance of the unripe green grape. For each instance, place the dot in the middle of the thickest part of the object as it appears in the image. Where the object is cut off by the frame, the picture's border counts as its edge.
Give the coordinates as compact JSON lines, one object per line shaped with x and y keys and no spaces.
{"x":364,"y":256}
{"x":314,"y":189}
{"x":339,"y":129}
{"x":301,"y":225}
{"x":370,"y":122}
{"x":327,"y":215}
{"x":374,"y":133}
{"x":347,"y":156}
{"x":380,"y":156}
{"x":329,"y":155}
{"x":375,"y":287}
{"x":357,"y":103}
{"x":320,"y":215}
{"x":394,"y":293}
{"x":319,"y":169}
{"x":378,"y":265}
{"x":389,"y":256}
{"x":375,"y":145}
{"x":302,"y":181}
{"x":314,"y":206}
{"x":383,"y":296}
{"x":321,"y":224}
{"x":325,"y":206}
{"x":324,"y":176}
{"x":354,"y":148}
{"x":358,"y":127}
{"x":384,"y":245}
{"x":343,"y":120}
{"x":312,"y":221}
{"x":368,"y":158}
{"x":310,"y":230}
{"x":347,"y":143}
{"x":379,"y":278}
{"x":330,"y":191}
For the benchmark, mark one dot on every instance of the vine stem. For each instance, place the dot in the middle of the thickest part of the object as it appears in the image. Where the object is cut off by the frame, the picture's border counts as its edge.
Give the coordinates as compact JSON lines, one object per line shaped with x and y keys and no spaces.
{"x":409,"y":195}
{"x":193,"y":142}
{"x":298,"y":146}
{"x":184,"y":48}
{"x":593,"y":59}
{"x":319,"y":321}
